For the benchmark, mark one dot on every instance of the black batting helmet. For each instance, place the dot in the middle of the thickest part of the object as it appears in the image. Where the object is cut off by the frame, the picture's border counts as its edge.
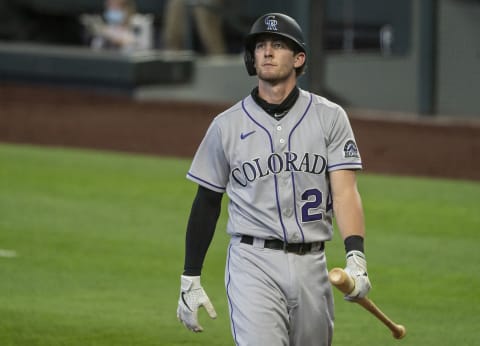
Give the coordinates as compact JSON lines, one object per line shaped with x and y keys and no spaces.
{"x":277,"y":24}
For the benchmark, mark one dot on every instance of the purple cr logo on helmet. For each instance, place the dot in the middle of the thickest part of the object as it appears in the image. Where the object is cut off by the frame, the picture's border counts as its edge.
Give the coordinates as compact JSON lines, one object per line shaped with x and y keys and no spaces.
{"x":271,"y":23}
{"x":276,"y":24}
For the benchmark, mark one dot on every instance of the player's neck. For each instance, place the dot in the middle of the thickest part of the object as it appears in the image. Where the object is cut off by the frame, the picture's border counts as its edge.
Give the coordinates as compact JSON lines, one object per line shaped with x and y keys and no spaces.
{"x":275,"y":93}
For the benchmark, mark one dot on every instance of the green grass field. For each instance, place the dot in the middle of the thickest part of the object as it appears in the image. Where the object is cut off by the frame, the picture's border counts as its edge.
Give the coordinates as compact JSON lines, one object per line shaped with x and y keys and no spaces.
{"x":98,"y":244}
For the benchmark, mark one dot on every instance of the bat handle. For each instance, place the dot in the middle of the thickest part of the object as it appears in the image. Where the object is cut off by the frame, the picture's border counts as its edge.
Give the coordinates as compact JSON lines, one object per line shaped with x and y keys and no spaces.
{"x":398,"y":331}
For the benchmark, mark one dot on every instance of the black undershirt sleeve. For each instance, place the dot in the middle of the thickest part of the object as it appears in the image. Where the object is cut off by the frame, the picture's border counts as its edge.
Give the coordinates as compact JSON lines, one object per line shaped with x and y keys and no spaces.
{"x":200,"y":229}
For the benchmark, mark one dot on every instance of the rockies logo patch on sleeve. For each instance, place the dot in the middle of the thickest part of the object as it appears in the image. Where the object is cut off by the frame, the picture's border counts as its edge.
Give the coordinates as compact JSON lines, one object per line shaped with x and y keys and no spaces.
{"x":350,"y":149}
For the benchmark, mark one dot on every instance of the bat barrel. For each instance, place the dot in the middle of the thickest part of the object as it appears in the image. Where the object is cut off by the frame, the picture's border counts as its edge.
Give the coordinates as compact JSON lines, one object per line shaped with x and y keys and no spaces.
{"x":341,"y":280}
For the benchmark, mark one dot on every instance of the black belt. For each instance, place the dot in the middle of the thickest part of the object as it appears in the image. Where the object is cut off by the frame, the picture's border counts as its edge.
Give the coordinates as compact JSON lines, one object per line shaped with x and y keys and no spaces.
{"x":276,"y":244}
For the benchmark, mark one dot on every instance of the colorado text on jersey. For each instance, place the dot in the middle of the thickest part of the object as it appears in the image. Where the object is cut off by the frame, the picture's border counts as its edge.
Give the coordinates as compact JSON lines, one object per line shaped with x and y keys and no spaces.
{"x":275,"y":163}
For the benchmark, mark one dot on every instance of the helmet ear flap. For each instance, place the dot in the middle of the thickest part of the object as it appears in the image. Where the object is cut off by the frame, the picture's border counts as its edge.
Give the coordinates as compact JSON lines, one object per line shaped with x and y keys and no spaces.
{"x":249,"y":63}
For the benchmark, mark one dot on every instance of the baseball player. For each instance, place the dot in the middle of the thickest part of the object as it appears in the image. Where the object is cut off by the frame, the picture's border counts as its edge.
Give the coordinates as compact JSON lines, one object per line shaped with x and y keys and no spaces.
{"x":286,"y":159}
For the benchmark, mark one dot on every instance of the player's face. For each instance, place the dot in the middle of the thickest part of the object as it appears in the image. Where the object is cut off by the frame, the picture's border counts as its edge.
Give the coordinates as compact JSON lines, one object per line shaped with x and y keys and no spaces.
{"x":275,"y":61}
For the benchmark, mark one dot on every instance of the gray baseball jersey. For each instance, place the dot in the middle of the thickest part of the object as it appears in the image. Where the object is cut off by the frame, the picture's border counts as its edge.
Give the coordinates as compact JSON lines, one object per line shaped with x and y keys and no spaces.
{"x":275,"y":171}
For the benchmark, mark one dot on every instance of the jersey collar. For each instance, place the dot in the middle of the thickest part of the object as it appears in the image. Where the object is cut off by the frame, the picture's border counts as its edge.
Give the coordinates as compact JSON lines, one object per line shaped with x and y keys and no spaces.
{"x":277,"y":111}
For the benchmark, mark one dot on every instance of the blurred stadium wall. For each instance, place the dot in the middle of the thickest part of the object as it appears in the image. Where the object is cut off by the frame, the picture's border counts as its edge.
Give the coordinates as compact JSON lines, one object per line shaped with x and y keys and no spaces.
{"x":411,"y":56}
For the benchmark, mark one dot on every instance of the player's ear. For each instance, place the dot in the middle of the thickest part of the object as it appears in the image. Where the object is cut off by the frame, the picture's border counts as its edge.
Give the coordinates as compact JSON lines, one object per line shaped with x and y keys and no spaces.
{"x":300,"y":58}
{"x":250,"y":62}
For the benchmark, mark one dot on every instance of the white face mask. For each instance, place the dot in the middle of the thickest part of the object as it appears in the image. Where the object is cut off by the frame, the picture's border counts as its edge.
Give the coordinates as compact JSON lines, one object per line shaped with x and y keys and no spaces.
{"x":114,"y":16}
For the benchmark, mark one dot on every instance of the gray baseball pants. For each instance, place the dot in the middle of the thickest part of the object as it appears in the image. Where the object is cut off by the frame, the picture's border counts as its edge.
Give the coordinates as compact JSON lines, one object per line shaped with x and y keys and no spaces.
{"x":277,"y":298}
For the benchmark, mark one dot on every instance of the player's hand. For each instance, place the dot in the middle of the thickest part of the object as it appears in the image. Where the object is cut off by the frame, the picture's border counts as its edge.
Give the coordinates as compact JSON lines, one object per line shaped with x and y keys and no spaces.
{"x":357,"y":269}
{"x":193,"y":296}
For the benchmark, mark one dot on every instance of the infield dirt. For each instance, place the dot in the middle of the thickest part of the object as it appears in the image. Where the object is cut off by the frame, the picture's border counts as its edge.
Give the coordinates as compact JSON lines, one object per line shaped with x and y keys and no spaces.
{"x":389,"y":143}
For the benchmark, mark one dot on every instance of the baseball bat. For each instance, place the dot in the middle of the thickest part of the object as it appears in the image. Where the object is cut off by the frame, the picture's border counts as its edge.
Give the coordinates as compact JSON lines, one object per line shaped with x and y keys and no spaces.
{"x":341,"y":280}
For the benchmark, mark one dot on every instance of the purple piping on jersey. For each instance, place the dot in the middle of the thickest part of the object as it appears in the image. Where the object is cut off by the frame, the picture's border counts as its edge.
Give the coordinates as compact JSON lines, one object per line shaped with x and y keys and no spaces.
{"x":206,"y":182}
{"x":274,"y":177}
{"x":293,"y":176}
{"x":358,"y":165}
{"x":234,"y":332}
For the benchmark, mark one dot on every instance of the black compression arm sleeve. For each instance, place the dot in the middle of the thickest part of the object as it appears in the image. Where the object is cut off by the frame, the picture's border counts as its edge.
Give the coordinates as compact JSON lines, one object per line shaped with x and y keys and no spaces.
{"x":200,"y":229}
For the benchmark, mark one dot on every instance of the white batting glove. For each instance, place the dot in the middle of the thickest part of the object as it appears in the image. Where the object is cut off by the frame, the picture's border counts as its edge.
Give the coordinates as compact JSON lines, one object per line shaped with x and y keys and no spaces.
{"x":357,"y":269}
{"x":193,"y":296}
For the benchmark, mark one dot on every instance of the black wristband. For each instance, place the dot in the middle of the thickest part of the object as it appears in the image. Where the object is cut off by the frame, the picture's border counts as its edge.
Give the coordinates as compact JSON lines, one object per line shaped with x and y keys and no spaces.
{"x":354,"y":242}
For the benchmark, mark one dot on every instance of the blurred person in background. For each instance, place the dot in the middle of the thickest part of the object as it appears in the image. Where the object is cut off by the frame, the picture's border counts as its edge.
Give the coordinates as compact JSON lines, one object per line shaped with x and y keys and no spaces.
{"x":207,"y":20}
{"x":120,"y":27}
